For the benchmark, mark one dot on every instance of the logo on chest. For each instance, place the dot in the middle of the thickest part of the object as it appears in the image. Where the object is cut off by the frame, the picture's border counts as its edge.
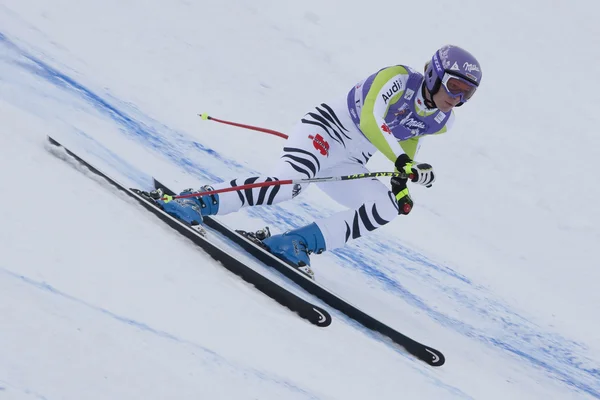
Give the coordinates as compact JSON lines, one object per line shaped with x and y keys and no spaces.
{"x":404,"y":117}
{"x":398,"y":86}
{"x":414,"y":125}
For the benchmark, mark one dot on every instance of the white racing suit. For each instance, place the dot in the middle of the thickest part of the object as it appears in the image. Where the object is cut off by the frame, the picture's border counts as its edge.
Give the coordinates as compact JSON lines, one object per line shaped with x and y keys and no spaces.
{"x":384,"y":112}
{"x":324,"y":143}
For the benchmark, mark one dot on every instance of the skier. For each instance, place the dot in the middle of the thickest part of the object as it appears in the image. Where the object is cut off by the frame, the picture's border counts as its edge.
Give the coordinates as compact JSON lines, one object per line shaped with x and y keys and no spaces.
{"x":389,"y":111}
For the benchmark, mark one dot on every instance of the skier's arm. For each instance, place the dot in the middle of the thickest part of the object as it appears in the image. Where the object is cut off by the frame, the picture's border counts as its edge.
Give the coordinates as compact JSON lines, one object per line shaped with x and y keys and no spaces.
{"x":410,"y":147}
{"x":376,"y":106}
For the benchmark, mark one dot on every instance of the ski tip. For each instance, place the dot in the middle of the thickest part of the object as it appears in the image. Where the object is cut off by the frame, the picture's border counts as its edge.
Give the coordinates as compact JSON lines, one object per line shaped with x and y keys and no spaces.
{"x":321,"y":317}
{"x":432,"y":357}
{"x":52,"y":141}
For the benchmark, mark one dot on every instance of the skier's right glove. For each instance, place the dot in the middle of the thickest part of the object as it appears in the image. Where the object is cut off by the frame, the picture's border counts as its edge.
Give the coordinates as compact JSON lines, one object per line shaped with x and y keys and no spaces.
{"x":420,"y":173}
{"x":400,"y":190}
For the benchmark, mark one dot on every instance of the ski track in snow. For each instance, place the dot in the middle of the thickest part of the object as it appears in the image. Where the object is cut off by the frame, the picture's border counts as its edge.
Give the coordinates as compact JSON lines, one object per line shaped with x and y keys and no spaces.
{"x":501,"y":327}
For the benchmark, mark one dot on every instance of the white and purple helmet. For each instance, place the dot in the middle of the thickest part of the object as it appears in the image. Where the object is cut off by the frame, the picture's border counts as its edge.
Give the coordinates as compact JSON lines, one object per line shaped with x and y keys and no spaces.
{"x":456,"y":62}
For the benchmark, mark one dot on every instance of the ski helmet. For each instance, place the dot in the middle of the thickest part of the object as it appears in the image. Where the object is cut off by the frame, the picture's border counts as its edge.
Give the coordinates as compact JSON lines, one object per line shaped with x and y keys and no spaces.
{"x":454,"y":61}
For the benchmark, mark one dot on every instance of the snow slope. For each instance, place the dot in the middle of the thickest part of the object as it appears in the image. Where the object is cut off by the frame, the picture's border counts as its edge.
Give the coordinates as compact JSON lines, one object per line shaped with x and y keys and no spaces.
{"x":496,"y":266}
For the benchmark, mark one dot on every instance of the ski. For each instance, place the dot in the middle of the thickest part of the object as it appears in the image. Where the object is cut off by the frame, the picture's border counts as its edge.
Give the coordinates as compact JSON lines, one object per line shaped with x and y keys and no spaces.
{"x":424,"y":353}
{"x":310,"y":312}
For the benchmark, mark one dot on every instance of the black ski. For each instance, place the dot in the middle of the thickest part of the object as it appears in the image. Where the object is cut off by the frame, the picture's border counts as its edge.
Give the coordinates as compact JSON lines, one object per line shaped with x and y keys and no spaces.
{"x":425,"y":353}
{"x":312,"y":313}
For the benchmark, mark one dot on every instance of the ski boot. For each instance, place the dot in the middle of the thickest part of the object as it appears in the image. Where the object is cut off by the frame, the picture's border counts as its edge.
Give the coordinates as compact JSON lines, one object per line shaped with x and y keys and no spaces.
{"x":189,"y":210}
{"x":259,"y":238}
{"x":295,"y":246}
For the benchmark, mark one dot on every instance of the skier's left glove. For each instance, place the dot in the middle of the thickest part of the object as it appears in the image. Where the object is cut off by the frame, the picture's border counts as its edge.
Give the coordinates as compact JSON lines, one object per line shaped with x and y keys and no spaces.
{"x":420,"y":173}
{"x":405,"y":203}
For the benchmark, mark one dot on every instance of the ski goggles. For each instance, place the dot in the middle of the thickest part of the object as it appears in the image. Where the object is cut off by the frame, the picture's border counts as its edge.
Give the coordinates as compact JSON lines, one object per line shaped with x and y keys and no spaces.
{"x":456,"y":86}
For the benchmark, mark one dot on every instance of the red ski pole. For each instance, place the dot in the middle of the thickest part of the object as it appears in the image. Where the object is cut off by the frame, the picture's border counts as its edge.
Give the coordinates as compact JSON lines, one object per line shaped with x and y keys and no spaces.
{"x":167,"y":198}
{"x":206,"y":117}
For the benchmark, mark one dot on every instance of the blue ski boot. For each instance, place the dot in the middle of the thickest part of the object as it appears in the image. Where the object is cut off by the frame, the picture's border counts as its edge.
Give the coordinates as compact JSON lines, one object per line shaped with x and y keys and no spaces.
{"x":191,"y":209}
{"x":296,"y":245}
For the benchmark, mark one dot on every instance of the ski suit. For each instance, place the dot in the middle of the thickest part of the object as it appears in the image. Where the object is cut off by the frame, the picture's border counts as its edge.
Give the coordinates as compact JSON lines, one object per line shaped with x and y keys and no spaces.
{"x":384,"y":112}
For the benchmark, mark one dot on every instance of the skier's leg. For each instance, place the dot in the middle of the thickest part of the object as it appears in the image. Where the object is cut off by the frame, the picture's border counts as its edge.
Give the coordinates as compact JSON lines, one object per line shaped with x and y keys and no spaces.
{"x":194,"y":208}
{"x":299,"y":159}
{"x":372,"y":206}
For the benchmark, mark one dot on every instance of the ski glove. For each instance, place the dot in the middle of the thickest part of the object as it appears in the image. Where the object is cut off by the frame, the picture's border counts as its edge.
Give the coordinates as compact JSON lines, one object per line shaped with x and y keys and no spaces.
{"x":405,"y":203}
{"x":420,"y":173}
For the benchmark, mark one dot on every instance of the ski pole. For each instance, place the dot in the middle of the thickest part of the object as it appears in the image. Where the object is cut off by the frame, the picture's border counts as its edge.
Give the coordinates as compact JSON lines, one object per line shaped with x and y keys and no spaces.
{"x":167,"y":198}
{"x":206,"y":117}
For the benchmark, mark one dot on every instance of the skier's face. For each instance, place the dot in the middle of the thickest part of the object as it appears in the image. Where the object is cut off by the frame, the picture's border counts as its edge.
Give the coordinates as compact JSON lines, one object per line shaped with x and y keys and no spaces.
{"x":444,"y":101}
